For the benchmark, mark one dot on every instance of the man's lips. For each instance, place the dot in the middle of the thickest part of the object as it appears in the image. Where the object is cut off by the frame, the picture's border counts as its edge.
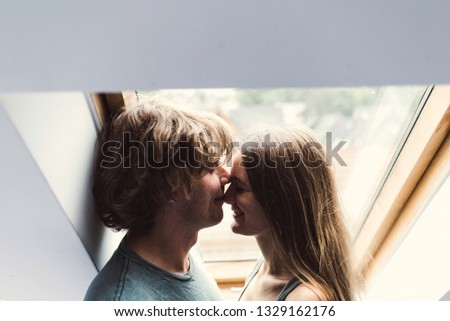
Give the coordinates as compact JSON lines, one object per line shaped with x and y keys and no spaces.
{"x":219,"y":201}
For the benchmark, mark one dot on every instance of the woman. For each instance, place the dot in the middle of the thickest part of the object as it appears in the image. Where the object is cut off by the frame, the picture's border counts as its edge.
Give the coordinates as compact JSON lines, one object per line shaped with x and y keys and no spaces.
{"x":283,"y":193}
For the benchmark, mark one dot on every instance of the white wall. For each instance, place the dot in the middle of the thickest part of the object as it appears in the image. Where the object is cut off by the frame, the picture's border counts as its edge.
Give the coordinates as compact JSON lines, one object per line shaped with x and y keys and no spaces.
{"x":46,"y":200}
{"x":116,"y":45}
{"x":59,"y":131}
{"x":42,"y":257}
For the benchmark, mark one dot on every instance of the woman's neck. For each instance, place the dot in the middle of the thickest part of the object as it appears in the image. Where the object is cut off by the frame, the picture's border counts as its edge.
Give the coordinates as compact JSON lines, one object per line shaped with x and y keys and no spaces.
{"x":273,"y":265}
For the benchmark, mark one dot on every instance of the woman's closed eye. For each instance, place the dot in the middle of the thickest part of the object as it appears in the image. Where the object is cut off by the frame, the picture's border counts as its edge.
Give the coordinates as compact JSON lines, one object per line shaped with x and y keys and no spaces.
{"x":241,"y":189}
{"x":239,"y":186}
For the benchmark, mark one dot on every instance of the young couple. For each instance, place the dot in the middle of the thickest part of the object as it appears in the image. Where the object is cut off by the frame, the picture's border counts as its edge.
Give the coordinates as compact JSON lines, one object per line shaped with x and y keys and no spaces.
{"x":163,"y":181}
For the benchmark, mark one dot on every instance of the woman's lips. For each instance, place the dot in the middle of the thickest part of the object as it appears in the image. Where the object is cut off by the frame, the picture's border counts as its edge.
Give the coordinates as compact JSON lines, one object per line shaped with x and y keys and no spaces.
{"x":237,"y":213}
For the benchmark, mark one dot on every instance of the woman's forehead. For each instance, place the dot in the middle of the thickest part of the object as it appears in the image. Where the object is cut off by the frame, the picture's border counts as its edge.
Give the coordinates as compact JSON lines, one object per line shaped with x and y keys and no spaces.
{"x":238,"y":171}
{"x":237,"y":162}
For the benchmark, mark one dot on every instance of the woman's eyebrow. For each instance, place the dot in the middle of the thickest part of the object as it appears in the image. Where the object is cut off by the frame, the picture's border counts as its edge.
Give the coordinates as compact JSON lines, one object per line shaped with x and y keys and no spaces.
{"x":237,"y":179}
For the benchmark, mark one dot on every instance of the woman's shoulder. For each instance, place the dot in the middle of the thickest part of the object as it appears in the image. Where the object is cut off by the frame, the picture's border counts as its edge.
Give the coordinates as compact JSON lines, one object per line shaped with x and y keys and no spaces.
{"x":305,"y":292}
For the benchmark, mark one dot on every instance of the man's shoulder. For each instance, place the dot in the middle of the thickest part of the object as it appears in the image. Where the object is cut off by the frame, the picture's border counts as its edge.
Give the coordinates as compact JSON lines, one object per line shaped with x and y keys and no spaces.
{"x":106,"y":284}
{"x":126,"y":277}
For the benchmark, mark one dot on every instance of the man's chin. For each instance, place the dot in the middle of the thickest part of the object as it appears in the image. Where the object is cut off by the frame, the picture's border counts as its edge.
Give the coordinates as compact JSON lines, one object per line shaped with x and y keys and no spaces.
{"x":216,"y":218}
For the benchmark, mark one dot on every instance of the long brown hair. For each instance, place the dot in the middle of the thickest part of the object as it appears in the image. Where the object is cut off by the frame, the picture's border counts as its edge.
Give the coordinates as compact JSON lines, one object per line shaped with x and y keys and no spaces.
{"x":296,"y":188}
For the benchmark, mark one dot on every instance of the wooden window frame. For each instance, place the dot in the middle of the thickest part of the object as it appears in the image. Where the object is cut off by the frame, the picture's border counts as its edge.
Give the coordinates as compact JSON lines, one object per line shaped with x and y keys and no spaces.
{"x":417,"y":171}
{"x":413,"y":177}
{"x":108,"y":104}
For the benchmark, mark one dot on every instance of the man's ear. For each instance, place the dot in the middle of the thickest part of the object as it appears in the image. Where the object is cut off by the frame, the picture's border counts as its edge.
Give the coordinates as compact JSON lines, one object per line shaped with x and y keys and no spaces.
{"x":177,"y":196}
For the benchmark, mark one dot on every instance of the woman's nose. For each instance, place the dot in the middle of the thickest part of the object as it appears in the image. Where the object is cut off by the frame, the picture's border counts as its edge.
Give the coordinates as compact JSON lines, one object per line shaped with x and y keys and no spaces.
{"x":230,"y":194}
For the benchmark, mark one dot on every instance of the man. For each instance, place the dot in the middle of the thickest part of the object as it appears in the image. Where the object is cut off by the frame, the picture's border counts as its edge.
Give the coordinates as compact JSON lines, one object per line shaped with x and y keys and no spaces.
{"x":158,"y":176}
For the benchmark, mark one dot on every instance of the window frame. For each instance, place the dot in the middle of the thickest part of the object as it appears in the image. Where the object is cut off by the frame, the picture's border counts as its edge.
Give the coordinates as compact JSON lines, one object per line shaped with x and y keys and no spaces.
{"x":414,"y":174}
{"x":410,"y":182}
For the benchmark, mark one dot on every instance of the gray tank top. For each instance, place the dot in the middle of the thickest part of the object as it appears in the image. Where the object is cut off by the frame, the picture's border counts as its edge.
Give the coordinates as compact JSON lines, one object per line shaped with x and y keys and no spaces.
{"x":288,"y":288}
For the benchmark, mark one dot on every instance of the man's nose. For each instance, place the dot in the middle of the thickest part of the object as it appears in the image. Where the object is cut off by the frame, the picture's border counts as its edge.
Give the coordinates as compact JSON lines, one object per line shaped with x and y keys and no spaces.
{"x":229,"y":196}
{"x":224,"y":175}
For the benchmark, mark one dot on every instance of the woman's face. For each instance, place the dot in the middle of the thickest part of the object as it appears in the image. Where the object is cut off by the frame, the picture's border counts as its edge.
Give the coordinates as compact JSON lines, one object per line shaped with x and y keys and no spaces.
{"x":249,"y":217}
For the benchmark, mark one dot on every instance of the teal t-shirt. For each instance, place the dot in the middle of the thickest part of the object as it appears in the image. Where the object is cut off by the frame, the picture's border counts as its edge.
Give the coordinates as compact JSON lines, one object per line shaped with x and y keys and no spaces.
{"x":128,"y":277}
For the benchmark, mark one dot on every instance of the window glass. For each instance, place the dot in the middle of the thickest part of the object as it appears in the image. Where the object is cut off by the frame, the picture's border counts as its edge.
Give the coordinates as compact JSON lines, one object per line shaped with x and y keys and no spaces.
{"x":362,"y":129}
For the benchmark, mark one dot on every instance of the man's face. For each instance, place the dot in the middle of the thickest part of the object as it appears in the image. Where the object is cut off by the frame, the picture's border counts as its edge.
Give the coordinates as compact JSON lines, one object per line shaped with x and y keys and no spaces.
{"x":204,"y":209}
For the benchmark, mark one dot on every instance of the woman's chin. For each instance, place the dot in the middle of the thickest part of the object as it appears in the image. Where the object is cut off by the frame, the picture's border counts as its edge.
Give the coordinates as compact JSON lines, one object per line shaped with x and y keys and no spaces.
{"x":236,"y":228}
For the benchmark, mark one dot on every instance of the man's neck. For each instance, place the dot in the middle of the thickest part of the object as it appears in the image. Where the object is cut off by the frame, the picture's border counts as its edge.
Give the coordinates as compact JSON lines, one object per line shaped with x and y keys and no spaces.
{"x":166,"y":245}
